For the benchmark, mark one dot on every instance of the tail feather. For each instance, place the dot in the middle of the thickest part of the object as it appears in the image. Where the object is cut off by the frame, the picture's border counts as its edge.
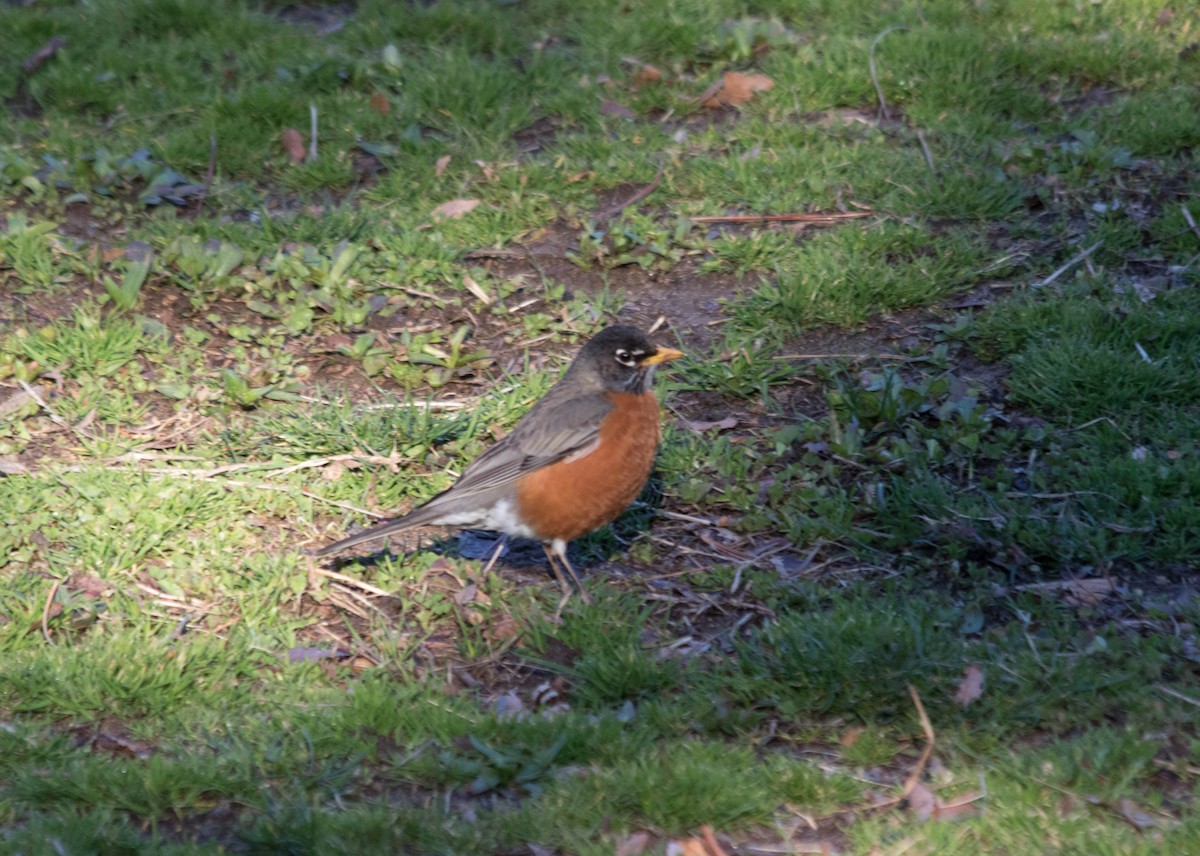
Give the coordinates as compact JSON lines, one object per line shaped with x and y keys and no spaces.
{"x":419,"y":517}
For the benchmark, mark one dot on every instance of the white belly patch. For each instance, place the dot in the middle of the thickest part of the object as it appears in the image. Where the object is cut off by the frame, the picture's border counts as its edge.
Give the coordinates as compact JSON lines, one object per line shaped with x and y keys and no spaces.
{"x":501,"y":517}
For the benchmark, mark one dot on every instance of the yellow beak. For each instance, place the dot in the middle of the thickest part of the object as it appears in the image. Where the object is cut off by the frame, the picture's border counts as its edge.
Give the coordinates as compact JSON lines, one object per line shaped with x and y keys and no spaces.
{"x":662,"y":355}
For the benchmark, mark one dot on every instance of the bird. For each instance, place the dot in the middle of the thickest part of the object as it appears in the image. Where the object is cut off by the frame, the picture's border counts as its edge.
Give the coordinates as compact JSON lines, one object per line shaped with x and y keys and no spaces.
{"x":573,"y":462}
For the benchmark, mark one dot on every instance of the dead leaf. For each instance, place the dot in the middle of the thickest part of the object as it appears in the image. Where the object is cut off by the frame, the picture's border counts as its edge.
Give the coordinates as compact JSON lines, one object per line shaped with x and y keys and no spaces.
{"x":455,"y":208}
{"x":293,"y":144}
{"x":612,"y":108}
{"x":15,"y":402}
{"x":705,"y":845}
{"x":647,"y":75}
{"x":734,"y":89}
{"x":850,"y":735}
{"x":504,"y":628}
{"x":634,"y":845}
{"x":1087,"y":592}
{"x":88,"y":585}
{"x":466,"y":594}
{"x":13,"y":467}
{"x":700,"y":426}
{"x":441,"y":565}
{"x":488,"y":169}
{"x":440,"y":166}
{"x":472,"y":286}
{"x":380,"y":103}
{"x":970,"y":688}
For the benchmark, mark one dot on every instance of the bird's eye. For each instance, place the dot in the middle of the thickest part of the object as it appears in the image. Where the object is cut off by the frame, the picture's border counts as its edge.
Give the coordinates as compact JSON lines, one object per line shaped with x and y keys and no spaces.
{"x":625,"y":358}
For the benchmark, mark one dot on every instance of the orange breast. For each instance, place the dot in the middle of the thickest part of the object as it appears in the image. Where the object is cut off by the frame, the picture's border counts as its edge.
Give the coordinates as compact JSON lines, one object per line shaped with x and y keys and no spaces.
{"x":575,"y":496}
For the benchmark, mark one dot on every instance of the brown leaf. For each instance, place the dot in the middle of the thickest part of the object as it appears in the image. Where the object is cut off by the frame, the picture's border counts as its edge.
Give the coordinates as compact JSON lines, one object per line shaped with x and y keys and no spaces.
{"x":293,"y":144}
{"x":612,"y":108}
{"x":700,"y":426}
{"x":634,"y":845}
{"x":13,"y":467}
{"x":380,"y":103}
{"x":1088,"y":592}
{"x":850,"y":735}
{"x":440,"y":166}
{"x":441,"y":566}
{"x":735,"y":88}
{"x":504,"y":628}
{"x":466,"y":594}
{"x":455,"y":208}
{"x":970,"y":688}
{"x":89,"y":585}
{"x":647,"y":75}
{"x":705,"y":845}
{"x":14,"y":403}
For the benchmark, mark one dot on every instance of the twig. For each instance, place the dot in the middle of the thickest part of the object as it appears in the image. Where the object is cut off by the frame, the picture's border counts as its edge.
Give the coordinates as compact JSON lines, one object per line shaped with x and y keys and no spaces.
{"x":279,"y":469}
{"x":883,"y":110}
{"x":39,"y":57}
{"x":1174,"y":694}
{"x":635,"y":198}
{"x":351,"y":581}
{"x":1187,"y":215}
{"x":914,"y":777}
{"x":1163,"y":764}
{"x":925,"y":149}
{"x":685,"y":518}
{"x":783,"y":218}
{"x":46,"y":611}
{"x":1072,"y":263}
{"x":54,"y":417}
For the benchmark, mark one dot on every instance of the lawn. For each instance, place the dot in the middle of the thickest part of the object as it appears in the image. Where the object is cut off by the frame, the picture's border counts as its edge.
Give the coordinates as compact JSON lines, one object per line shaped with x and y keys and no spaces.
{"x":917,"y":568}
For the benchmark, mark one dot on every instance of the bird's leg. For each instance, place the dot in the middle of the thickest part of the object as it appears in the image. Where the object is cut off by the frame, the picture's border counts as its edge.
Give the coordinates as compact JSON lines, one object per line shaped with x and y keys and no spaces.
{"x":500,"y":545}
{"x":557,"y":550}
{"x":562,"y":581}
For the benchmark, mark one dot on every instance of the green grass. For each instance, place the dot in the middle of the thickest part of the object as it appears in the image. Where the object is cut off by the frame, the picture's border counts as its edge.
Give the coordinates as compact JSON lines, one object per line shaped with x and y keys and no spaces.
{"x":907,"y":446}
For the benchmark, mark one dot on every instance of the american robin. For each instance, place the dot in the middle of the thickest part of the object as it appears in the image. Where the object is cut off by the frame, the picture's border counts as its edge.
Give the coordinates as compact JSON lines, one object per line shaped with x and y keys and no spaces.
{"x":573,"y":463}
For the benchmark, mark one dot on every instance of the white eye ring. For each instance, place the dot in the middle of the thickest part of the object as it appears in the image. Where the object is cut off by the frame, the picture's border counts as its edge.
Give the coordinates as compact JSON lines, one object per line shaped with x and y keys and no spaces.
{"x":625,"y":358}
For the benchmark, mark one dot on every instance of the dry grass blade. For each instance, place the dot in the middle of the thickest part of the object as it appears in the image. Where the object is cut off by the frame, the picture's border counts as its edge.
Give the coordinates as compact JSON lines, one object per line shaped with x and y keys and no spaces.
{"x":782,"y":218}
{"x":46,"y":610}
{"x":930,"y":741}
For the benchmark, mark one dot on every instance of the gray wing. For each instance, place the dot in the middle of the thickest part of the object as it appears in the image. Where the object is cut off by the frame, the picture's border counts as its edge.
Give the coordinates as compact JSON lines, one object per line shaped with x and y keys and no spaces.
{"x":562,"y":423}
